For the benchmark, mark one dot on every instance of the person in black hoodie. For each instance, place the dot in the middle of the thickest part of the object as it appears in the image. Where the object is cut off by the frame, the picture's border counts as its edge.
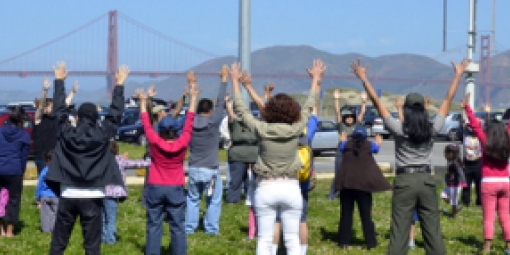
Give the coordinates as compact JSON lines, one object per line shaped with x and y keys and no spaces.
{"x":83,"y":164}
{"x":15,"y":145}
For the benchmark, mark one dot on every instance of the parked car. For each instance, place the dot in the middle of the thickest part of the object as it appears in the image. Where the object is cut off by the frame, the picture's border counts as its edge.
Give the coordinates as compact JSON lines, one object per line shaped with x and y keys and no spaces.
{"x":28,"y":125}
{"x":326,"y":137}
{"x":27,"y":106}
{"x":132,"y":134}
{"x":378,"y":127}
{"x":371,"y":114}
{"x":494,"y":116}
{"x":130,"y":117}
{"x":452,"y":128}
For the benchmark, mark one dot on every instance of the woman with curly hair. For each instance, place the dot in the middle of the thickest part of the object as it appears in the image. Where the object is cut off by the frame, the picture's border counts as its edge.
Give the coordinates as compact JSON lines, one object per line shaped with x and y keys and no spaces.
{"x":278,"y":163}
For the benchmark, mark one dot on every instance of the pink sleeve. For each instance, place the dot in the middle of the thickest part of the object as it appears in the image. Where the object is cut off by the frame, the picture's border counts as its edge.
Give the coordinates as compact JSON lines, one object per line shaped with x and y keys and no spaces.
{"x":183,"y":140}
{"x":475,"y":125}
{"x":152,"y":137}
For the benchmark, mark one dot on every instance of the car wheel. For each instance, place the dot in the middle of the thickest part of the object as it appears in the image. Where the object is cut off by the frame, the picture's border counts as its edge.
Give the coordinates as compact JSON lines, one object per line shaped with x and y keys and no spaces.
{"x":386,"y":136}
{"x":142,"y":140}
{"x":316,"y":153}
{"x":369,"y":130}
{"x":452,"y":135}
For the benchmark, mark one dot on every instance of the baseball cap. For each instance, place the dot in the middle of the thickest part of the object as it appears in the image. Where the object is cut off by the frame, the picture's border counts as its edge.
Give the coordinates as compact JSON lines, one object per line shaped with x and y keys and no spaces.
{"x":414,"y":99}
{"x":359,"y":132}
{"x":170,"y":123}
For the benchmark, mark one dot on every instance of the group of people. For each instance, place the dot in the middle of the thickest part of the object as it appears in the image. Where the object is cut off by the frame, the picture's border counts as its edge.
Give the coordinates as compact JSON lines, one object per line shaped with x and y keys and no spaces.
{"x":82,"y":172}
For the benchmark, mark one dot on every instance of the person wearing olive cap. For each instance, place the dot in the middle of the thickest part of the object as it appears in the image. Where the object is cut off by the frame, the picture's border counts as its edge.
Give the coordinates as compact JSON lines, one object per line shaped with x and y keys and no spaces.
{"x":346,"y":122}
{"x":414,"y":186}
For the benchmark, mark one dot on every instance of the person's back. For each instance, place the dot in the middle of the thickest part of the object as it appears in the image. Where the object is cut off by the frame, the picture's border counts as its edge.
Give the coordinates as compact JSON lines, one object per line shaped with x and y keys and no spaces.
{"x":205,"y":140}
{"x":14,"y":144}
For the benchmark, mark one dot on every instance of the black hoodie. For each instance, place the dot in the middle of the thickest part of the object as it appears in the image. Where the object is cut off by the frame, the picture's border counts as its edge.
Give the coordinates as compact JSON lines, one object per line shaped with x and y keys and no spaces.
{"x":82,"y":156}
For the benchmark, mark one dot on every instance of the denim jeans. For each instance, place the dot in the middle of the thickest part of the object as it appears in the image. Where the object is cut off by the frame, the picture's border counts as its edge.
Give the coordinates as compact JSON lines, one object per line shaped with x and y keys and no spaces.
{"x":169,"y":199}
{"x":110,"y":206}
{"x":199,"y":180}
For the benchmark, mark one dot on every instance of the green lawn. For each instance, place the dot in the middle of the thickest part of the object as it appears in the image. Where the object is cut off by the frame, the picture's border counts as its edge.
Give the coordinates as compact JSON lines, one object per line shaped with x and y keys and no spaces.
{"x":462,"y":235}
{"x":137,"y":151}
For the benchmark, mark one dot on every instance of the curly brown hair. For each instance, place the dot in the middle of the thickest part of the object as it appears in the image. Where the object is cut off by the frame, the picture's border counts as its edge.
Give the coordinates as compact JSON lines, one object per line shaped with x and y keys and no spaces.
{"x":281,"y":109}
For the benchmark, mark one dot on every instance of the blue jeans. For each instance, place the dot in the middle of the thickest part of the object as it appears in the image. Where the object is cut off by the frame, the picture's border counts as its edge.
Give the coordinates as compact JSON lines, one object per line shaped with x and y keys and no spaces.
{"x":169,"y":199}
{"x":110,"y":206}
{"x":199,"y":180}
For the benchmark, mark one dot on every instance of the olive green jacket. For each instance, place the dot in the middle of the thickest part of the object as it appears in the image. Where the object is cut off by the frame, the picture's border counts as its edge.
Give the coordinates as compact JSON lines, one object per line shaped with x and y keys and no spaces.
{"x":278,"y":142}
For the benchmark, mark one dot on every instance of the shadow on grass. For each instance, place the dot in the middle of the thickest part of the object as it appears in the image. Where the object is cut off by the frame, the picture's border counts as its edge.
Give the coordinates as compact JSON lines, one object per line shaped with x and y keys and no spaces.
{"x":18,"y":227}
{"x":333,"y":237}
{"x":470,"y":240}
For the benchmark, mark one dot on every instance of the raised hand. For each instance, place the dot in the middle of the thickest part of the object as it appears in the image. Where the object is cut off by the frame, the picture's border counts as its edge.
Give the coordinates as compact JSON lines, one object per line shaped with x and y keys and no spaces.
{"x":245,"y":79}
{"x":141,"y":95}
{"x":191,"y":77}
{"x":487,"y":108}
{"x":465,"y":101}
{"x":122,"y":75}
{"x":194,"y":90}
{"x":461,"y":67}
{"x":428,"y":101}
{"x":227,"y":97}
{"x":337,"y":94}
{"x":60,"y":71}
{"x":151,"y":91}
{"x":317,"y":69}
{"x":399,"y":103}
{"x":75,"y":87}
{"x":186,"y":91}
{"x":359,"y":70}
{"x":363,"y":96}
{"x":46,"y":84}
{"x":224,"y":73}
{"x":269,"y":88}
{"x":235,"y":71}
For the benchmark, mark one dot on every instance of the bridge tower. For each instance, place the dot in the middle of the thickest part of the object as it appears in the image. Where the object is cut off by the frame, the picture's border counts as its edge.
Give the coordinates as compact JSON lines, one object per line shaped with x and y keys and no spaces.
{"x":112,"y":55}
{"x":485,"y":65}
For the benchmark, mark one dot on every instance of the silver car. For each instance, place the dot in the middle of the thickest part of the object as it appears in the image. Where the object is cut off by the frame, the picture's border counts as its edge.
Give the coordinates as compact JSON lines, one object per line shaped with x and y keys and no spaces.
{"x":378,"y":127}
{"x":451,"y":127}
{"x":326,"y":137}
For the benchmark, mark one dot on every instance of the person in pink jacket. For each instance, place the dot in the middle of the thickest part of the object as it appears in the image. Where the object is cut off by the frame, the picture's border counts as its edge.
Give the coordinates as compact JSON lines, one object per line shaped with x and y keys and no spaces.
{"x":165,"y":184}
{"x":495,"y":188}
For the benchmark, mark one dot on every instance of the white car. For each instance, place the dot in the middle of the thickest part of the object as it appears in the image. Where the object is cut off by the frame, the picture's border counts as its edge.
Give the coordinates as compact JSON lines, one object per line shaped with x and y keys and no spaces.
{"x":326,"y":137}
{"x":378,"y":127}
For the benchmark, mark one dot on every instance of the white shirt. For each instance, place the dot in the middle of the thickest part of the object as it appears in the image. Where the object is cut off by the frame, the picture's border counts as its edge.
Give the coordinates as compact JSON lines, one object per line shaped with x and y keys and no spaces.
{"x":75,"y":192}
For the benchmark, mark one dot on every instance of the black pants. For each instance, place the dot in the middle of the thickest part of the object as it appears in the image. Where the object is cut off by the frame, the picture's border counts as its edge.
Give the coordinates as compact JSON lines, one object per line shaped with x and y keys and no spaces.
{"x":364,"y":201}
{"x":14,"y":185}
{"x":90,"y":212}
{"x":238,"y":176}
{"x":473,"y":175}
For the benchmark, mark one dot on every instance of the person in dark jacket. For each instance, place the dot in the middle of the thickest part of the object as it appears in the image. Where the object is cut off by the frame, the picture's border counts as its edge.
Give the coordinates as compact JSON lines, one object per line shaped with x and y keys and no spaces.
{"x":83,"y":164}
{"x":359,"y":178}
{"x":15,"y":146}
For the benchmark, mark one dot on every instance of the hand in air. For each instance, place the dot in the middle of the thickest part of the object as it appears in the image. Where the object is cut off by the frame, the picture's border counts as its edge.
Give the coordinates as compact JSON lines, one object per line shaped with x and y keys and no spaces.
{"x":235,"y":72}
{"x":60,"y":71}
{"x":245,"y":79}
{"x":151,"y":91}
{"x":317,"y":69}
{"x":46,"y":84}
{"x":359,"y":70}
{"x":461,"y":67}
{"x":191,"y":77}
{"x":75,"y":87}
{"x":122,"y":75}
{"x":337,"y":94}
{"x":465,"y":101}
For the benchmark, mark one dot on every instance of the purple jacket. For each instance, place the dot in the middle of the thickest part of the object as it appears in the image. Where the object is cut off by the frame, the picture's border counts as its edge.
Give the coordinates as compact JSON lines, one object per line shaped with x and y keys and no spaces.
{"x":116,"y":191}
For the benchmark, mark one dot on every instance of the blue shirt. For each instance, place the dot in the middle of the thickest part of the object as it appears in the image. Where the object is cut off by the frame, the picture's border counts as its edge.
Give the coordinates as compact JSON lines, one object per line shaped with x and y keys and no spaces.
{"x":311,"y":127}
{"x":42,"y":189}
{"x":375,"y":147}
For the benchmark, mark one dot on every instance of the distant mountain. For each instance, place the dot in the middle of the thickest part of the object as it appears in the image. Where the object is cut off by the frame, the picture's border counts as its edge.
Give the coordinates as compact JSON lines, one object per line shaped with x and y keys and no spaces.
{"x":281,"y":64}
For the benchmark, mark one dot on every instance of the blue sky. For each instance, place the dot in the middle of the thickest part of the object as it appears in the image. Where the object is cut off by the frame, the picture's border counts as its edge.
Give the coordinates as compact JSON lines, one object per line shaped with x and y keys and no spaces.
{"x":369,"y":27}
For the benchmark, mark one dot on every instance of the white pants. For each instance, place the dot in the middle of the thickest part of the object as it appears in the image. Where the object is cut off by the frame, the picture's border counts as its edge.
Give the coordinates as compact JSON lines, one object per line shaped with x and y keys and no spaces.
{"x":452,"y":194}
{"x":271,"y":196}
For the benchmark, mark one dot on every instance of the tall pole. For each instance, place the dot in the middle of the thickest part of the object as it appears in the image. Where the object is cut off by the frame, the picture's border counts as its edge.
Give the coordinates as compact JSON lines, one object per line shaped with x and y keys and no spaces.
{"x":244,"y":41}
{"x":493,"y":30}
{"x":112,"y":57}
{"x":470,"y":80}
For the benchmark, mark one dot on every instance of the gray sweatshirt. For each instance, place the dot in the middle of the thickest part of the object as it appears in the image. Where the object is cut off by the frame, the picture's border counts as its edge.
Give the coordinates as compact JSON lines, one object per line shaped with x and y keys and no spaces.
{"x":205,"y":137}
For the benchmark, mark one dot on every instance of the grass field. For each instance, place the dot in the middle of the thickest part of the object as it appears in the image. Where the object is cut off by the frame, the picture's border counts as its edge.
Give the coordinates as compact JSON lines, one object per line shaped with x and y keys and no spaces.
{"x":462,"y":235}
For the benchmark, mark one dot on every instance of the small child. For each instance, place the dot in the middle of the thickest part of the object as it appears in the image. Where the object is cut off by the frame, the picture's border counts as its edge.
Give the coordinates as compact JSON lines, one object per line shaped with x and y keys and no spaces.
{"x":115,"y":194}
{"x":47,"y":200}
{"x":252,"y":223}
{"x":412,"y":233}
{"x":4,"y":199}
{"x":454,"y":178}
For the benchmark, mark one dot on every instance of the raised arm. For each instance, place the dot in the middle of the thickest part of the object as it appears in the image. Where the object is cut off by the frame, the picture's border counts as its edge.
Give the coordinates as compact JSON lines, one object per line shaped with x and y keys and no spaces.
{"x":42,"y":102}
{"x":241,"y":110}
{"x":268,"y":90}
{"x":217,"y":114}
{"x":59,"y":107}
{"x":246,"y":81}
{"x":112,"y":120}
{"x":71,"y":94}
{"x":230,"y":109}
{"x":487,"y":110}
{"x":337,"y":96}
{"x":363,"y":109}
{"x":459,"y":70}
{"x":361,"y":73}
{"x":151,"y":93}
{"x":475,"y":124}
{"x":180,"y":103}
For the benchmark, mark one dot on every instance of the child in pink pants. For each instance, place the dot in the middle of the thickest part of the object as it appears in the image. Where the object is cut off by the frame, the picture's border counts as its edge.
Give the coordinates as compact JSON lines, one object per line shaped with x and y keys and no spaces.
{"x":252,"y":226}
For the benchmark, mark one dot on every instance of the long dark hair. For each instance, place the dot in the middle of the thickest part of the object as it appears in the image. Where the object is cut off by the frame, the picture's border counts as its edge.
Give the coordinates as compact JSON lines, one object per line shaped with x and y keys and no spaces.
{"x":455,"y":150}
{"x":358,"y":143}
{"x":417,"y":125}
{"x":17,"y":116}
{"x":497,"y":146}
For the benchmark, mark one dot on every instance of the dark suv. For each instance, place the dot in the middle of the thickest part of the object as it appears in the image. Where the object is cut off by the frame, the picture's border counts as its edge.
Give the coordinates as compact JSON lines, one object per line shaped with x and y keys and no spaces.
{"x":371,"y":114}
